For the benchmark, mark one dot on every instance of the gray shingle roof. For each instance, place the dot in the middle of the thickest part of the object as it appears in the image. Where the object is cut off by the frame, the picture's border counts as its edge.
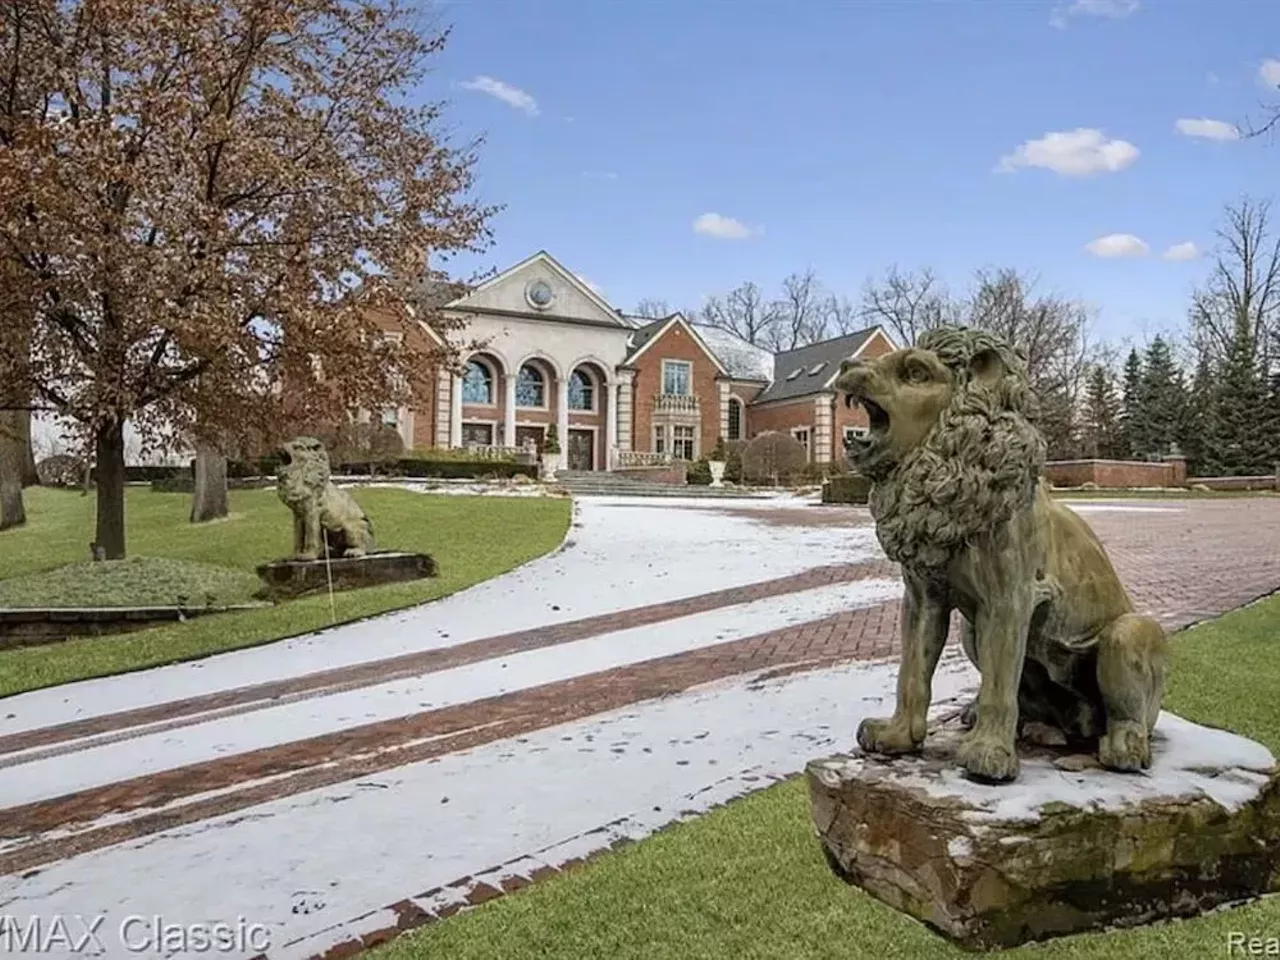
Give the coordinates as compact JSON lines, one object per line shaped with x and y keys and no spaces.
{"x":806,"y":369}
{"x":643,"y":335}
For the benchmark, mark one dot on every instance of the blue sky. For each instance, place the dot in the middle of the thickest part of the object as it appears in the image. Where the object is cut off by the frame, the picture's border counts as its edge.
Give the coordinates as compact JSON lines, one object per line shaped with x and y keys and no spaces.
{"x":849,"y":135}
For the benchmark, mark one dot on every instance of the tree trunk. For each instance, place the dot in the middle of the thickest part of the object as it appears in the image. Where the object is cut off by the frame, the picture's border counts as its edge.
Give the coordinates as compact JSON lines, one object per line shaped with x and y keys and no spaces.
{"x":109,"y":450}
{"x":29,"y":476}
{"x":209,"y":498}
{"x":12,"y":511}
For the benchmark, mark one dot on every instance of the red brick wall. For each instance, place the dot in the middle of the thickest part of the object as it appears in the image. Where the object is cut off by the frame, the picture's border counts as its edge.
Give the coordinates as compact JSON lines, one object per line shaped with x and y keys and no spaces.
{"x":424,"y":384}
{"x":673,"y":473}
{"x":675,"y":344}
{"x":781,"y":417}
{"x":1112,"y":474}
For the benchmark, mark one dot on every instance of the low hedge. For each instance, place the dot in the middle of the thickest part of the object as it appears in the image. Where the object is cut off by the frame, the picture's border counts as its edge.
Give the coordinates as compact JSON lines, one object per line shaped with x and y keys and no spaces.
{"x":849,"y":488}
{"x":179,"y":479}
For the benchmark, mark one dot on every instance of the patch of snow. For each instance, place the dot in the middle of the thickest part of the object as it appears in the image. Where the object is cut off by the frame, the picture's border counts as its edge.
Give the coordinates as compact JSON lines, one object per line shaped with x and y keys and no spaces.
{"x":1188,"y":761}
{"x":324,"y":864}
{"x":743,"y":360}
{"x":959,"y":847}
{"x":620,"y":553}
{"x":67,"y":772}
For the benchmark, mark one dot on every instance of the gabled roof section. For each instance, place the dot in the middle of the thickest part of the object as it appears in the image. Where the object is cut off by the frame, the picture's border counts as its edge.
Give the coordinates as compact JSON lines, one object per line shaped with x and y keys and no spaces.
{"x":743,"y":360}
{"x":814,"y":368}
{"x":648,"y":335}
{"x":605,"y":312}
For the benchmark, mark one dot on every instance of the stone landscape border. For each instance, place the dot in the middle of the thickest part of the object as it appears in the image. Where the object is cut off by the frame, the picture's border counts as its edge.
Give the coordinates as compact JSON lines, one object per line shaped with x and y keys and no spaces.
{"x":34,"y":626}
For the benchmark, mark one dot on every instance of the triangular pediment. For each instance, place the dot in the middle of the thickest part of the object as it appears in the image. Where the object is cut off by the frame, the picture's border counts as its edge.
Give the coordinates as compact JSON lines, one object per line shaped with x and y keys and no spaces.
{"x":541,"y":287}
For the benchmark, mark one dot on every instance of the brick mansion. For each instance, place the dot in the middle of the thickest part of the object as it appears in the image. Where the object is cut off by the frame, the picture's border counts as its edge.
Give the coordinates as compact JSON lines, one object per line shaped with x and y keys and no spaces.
{"x":622,"y":390}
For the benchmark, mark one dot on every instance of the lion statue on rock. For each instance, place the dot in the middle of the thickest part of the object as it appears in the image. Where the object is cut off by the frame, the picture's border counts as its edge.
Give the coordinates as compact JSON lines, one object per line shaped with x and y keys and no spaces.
{"x":320,"y":508}
{"x":955,"y":463}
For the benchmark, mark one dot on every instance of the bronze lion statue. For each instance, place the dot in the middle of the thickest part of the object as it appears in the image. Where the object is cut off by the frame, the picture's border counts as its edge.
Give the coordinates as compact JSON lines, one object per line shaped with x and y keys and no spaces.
{"x":955,"y":461}
{"x":319,"y":508}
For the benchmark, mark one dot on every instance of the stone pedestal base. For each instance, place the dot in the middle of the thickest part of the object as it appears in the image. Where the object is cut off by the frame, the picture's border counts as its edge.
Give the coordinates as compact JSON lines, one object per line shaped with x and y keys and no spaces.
{"x":283,"y":579}
{"x":1068,"y":847}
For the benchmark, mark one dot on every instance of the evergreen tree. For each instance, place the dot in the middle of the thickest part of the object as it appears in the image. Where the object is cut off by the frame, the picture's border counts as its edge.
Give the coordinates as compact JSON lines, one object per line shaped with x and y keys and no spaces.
{"x":1163,"y":398}
{"x":1272,"y":423}
{"x":1136,"y":431}
{"x":1239,"y":408}
{"x":1198,"y":427}
{"x":1104,"y":430}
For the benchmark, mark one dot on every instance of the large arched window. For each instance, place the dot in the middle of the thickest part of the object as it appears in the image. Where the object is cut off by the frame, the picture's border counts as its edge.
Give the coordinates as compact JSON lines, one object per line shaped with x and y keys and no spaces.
{"x":531,"y":387}
{"x":477,"y":383}
{"x":582,"y":392}
{"x":735,"y":419}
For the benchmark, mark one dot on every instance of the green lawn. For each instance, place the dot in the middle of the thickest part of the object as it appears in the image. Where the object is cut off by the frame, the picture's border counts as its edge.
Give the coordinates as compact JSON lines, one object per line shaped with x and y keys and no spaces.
{"x":135,"y":582}
{"x":747,"y":881}
{"x":472,"y":539}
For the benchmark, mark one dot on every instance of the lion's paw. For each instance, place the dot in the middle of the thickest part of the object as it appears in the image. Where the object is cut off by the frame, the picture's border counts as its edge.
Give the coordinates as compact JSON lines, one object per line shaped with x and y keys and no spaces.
{"x":987,"y":758}
{"x":886,"y":736}
{"x":1125,"y":747}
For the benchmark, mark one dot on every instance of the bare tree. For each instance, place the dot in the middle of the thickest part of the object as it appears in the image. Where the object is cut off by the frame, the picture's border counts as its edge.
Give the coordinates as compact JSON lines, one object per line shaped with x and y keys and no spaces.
{"x":1243,"y":287}
{"x":742,"y":311}
{"x":1052,"y":332}
{"x":653,"y":309}
{"x":843,"y":316}
{"x":905,"y":303}
{"x":802,"y":312}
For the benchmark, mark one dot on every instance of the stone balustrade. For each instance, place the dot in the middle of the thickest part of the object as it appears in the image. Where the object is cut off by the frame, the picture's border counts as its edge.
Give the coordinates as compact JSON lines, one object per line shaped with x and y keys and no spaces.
{"x":637,"y":458}
{"x":674,"y":403}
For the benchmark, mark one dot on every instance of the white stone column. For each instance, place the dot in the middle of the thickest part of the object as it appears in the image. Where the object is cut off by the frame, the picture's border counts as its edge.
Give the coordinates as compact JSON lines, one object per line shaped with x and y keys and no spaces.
{"x":622,"y":411}
{"x":562,"y":419}
{"x":820,"y":442}
{"x":610,"y":397}
{"x":444,"y":409}
{"x":509,"y":413}
{"x":724,"y":408}
{"x":455,"y":412}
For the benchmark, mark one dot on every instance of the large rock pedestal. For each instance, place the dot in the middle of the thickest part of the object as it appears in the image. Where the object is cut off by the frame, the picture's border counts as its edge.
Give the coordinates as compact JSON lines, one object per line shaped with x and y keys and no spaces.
{"x":283,"y":579}
{"x":1067,"y":848}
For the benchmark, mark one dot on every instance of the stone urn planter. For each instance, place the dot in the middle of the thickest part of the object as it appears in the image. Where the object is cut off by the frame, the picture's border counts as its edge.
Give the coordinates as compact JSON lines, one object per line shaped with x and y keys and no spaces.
{"x":550,"y":465}
{"x":717,"y":472}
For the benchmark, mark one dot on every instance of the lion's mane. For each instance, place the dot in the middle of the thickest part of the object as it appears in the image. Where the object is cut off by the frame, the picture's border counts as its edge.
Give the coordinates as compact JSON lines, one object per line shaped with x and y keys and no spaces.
{"x":978,"y":467}
{"x":306,"y":474}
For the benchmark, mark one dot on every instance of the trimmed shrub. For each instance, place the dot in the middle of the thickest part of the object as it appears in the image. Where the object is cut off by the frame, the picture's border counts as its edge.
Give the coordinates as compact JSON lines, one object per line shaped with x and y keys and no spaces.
{"x":849,"y":488}
{"x":699,"y":473}
{"x":773,"y":457}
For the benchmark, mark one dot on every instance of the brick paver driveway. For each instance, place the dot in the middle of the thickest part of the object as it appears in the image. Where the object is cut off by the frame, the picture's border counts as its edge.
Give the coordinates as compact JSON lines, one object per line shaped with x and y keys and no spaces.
{"x":322,"y":792}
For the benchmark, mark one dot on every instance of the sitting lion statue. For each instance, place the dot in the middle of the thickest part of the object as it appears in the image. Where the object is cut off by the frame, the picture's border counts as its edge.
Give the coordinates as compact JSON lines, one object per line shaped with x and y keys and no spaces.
{"x":319,"y":508}
{"x":954,"y":459}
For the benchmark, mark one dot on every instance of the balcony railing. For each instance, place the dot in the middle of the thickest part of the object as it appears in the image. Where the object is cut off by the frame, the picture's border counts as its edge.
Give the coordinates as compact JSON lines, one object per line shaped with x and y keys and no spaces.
{"x":675,"y":403}
{"x":489,"y":451}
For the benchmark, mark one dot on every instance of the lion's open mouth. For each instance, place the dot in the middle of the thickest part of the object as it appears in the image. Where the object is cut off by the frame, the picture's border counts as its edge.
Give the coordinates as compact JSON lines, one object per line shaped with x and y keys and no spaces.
{"x":877,"y":416}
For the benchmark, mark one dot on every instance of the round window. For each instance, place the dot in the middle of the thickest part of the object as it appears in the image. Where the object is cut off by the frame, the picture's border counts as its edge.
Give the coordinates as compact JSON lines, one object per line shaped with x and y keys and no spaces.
{"x":539,"y":294}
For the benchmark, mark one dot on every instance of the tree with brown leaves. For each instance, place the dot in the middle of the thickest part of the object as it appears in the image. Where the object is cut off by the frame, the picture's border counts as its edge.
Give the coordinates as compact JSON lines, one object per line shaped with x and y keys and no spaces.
{"x":206,"y":201}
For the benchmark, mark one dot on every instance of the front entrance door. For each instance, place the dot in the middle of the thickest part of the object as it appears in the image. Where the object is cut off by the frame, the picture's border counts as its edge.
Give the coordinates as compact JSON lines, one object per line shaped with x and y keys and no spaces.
{"x":525,"y":434}
{"x":582,"y":449}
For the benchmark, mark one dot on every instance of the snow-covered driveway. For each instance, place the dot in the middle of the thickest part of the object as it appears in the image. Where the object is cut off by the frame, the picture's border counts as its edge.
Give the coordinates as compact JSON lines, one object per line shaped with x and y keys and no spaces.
{"x":671,"y":655}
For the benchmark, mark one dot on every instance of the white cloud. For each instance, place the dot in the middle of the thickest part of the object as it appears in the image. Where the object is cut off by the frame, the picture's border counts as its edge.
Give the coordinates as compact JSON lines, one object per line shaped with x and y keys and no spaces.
{"x":1072,"y":153}
{"x":1115,"y":245}
{"x":512,"y":96}
{"x":723,"y":228}
{"x":1269,"y":73}
{"x":1212,"y":79}
{"x":1110,"y":9}
{"x":1206,"y":129}
{"x":1182,"y":251}
{"x":599,"y":175}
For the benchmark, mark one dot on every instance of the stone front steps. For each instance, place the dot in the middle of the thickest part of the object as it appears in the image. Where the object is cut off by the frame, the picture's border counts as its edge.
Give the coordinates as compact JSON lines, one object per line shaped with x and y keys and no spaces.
{"x":609,"y":485}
